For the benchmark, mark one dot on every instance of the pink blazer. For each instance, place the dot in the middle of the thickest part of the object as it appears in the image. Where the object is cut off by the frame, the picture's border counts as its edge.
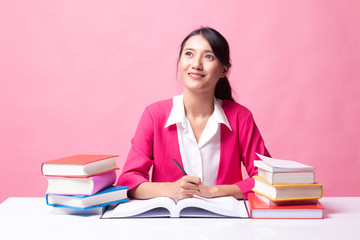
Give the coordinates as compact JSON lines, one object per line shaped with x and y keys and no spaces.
{"x":155,"y":146}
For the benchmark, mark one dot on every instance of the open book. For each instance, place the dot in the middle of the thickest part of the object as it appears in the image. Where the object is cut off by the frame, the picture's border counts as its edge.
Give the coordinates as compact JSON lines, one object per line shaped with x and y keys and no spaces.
{"x":278,"y":165}
{"x":189,"y":207}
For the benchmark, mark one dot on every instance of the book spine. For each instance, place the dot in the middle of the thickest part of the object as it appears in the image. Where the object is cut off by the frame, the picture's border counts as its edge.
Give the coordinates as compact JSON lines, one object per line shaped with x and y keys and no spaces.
{"x":86,"y":208}
{"x":103,"y":181}
{"x":41,"y":169}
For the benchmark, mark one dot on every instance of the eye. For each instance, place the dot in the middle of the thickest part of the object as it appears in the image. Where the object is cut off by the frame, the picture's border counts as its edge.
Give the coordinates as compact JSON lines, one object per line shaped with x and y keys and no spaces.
{"x":209,"y":56}
{"x":188,"y":53}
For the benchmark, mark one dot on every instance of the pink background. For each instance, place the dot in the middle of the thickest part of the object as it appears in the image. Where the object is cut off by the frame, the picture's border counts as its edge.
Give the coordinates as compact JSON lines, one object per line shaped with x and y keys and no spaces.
{"x":75,"y":77}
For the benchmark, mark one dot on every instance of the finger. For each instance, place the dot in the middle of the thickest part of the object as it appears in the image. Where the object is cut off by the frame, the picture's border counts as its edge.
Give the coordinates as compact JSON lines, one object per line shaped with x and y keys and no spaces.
{"x":192,"y":179}
{"x":190,"y":186}
{"x":188,"y":183}
{"x":189,"y":193}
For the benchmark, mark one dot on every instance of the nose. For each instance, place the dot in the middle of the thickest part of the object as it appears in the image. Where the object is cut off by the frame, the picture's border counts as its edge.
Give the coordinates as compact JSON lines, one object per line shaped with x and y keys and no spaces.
{"x":197,"y":63}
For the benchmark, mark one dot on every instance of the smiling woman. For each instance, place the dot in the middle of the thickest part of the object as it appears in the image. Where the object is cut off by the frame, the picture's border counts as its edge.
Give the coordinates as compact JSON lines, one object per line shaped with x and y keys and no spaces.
{"x":204,"y":129}
{"x":215,"y":49}
{"x":199,"y":68}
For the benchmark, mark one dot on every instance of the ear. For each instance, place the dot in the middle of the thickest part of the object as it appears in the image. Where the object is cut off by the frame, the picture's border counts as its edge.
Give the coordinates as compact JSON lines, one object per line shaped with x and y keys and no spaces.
{"x":225,"y":71}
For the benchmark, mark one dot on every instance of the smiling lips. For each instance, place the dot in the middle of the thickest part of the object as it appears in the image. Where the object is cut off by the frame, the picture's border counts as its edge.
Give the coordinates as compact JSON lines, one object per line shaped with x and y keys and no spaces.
{"x":196,"y":76}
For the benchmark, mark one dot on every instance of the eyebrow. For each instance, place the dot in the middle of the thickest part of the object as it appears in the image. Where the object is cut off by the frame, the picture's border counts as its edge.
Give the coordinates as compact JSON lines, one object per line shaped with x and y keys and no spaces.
{"x":191,"y":49}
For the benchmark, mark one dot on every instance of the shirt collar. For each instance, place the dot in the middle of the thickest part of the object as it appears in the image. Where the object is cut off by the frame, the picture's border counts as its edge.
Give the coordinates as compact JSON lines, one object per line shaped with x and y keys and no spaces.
{"x":177,"y":114}
{"x":219,"y":115}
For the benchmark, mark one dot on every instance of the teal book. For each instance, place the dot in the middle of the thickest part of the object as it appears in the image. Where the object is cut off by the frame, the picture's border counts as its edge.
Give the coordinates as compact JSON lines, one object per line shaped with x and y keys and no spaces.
{"x":108,"y":196}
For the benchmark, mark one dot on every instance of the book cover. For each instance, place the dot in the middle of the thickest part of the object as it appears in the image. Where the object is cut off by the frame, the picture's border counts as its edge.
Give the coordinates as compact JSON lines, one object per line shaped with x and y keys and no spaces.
{"x":108,"y":196}
{"x":286,"y":202}
{"x":80,"y":186}
{"x":80,"y":159}
{"x":83,"y":165}
{"x":259,"y":209}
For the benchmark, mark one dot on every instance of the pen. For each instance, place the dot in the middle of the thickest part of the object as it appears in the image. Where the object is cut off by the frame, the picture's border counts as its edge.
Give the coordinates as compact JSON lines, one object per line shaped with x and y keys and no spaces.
{"x":179,"y":166}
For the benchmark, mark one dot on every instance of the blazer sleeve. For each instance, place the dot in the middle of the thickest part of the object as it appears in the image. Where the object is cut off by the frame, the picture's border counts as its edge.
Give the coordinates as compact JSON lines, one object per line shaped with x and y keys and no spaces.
{"x":139,"y":160}
{"x":250,"y":142}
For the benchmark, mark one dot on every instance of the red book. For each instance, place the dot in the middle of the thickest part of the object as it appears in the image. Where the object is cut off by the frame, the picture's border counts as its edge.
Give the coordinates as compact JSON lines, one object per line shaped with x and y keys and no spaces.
{"x":259,"y":209}
{"x":79,"y":165}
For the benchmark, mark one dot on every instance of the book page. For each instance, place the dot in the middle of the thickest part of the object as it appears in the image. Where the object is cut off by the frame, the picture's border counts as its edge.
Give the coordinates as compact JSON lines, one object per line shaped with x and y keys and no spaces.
{"x":211,"y":207}
{"x":278,"y":163}
{"x":155,"y":207}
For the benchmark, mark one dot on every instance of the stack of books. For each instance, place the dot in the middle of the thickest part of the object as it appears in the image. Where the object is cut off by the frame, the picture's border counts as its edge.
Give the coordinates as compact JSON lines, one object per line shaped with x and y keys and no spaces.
{"x":285,"y":189}
{"x":82,"y":182}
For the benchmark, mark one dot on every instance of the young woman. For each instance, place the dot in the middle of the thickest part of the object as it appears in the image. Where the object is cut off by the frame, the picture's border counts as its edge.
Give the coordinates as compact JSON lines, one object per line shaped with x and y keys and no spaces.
{"x":204,"y":129}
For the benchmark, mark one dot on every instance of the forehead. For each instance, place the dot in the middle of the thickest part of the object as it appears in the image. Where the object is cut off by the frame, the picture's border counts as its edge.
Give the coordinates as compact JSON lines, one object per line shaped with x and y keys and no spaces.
{"x":198,"y":43}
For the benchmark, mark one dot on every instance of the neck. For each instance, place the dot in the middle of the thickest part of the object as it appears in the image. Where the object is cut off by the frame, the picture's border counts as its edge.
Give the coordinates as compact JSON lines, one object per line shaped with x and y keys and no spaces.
{"x":198,"y":105}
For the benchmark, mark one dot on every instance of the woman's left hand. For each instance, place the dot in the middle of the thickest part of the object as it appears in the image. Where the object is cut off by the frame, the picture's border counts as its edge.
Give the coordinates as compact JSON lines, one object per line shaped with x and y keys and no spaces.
{"x":207,"y":191}
{"x":219,"y":191}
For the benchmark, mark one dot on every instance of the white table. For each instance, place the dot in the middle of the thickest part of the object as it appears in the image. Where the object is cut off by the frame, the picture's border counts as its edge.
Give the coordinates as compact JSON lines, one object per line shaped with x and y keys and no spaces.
{"x":31,"y":218}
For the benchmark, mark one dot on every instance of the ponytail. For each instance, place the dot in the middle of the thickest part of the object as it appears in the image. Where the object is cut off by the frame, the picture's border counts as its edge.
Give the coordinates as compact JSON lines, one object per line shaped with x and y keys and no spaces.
{"x":223,"y":90}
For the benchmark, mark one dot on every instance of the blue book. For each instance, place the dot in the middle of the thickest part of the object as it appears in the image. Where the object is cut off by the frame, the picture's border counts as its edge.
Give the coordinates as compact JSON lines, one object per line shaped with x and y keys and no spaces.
{"x":108,"y":196}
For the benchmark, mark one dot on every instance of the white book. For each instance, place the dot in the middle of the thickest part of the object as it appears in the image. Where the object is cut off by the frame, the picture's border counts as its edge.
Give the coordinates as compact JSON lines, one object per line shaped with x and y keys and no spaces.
{"x":189,"y":207}
{"x":287,"y":177}
{"x":278,"y":165}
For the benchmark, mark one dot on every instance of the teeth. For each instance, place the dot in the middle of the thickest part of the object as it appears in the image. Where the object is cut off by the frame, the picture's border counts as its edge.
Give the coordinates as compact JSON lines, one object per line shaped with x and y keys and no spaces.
{"x":195,"y":75}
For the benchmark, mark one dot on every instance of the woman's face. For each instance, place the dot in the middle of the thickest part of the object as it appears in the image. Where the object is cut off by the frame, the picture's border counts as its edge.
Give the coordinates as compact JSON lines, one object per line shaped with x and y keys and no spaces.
{"x":199,"y":69}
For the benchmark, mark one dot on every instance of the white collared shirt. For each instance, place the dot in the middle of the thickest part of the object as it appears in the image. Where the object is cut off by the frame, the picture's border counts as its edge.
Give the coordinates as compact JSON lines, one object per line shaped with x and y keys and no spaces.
{"x":201,"y":158}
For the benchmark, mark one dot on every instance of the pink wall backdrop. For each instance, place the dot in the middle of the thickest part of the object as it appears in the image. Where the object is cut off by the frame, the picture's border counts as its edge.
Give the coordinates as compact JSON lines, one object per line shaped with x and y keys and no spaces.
{"x":75,"y":77}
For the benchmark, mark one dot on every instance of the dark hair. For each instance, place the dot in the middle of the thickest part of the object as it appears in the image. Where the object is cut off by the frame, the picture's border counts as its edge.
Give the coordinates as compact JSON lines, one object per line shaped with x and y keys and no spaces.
{"x":220,"y":47}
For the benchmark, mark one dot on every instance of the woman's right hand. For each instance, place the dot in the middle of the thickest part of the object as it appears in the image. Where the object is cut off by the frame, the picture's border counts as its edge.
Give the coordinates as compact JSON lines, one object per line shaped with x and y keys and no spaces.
{"x":185,"y":187}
